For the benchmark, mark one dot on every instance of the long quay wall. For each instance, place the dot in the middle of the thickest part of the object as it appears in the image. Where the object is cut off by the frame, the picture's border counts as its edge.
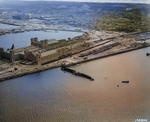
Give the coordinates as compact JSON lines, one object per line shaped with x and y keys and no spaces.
{"x":44,"y":67}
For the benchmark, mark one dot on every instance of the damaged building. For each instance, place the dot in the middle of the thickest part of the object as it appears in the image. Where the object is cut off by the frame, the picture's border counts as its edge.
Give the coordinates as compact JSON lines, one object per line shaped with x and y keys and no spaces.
{"x":37,"y":52}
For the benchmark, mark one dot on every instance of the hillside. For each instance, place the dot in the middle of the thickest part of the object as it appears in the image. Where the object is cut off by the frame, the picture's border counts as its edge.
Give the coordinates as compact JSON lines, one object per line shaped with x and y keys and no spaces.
{"x":132,"y":20}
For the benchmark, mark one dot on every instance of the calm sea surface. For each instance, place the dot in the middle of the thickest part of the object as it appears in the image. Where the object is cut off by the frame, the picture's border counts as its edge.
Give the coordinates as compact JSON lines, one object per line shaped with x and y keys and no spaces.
{"x":57,"y":96}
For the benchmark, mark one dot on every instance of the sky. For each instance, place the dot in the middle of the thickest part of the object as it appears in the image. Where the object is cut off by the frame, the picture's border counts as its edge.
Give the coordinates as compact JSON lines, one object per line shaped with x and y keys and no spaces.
{"x":111,"y":1}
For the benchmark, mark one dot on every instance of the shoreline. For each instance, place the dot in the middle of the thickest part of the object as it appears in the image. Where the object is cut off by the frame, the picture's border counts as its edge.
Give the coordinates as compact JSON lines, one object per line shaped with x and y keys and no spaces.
{"x":27,"y":73}
{"x":22,"y":30}
{"x":43,"y":68}
{"x":45,"y":30}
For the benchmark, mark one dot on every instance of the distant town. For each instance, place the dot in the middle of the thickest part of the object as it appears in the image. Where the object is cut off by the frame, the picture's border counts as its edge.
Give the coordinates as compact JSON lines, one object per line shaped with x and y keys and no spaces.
{"x":55,"y":16}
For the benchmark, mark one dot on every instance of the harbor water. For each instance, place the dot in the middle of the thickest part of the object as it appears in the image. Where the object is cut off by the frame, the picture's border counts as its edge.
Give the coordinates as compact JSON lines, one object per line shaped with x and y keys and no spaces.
{"x":57,"y":96}
{"x":23,"y":39}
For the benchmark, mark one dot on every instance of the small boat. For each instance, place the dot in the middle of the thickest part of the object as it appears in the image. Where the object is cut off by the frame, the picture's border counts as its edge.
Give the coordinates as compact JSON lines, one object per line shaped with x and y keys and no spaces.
{"x":147,"y":54}
{"x":125,"y":81}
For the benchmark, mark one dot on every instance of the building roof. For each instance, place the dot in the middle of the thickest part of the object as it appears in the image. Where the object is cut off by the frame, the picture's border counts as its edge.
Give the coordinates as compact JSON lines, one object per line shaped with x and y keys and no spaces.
{"x":48,"y":53}
{"x":52,"y":41}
